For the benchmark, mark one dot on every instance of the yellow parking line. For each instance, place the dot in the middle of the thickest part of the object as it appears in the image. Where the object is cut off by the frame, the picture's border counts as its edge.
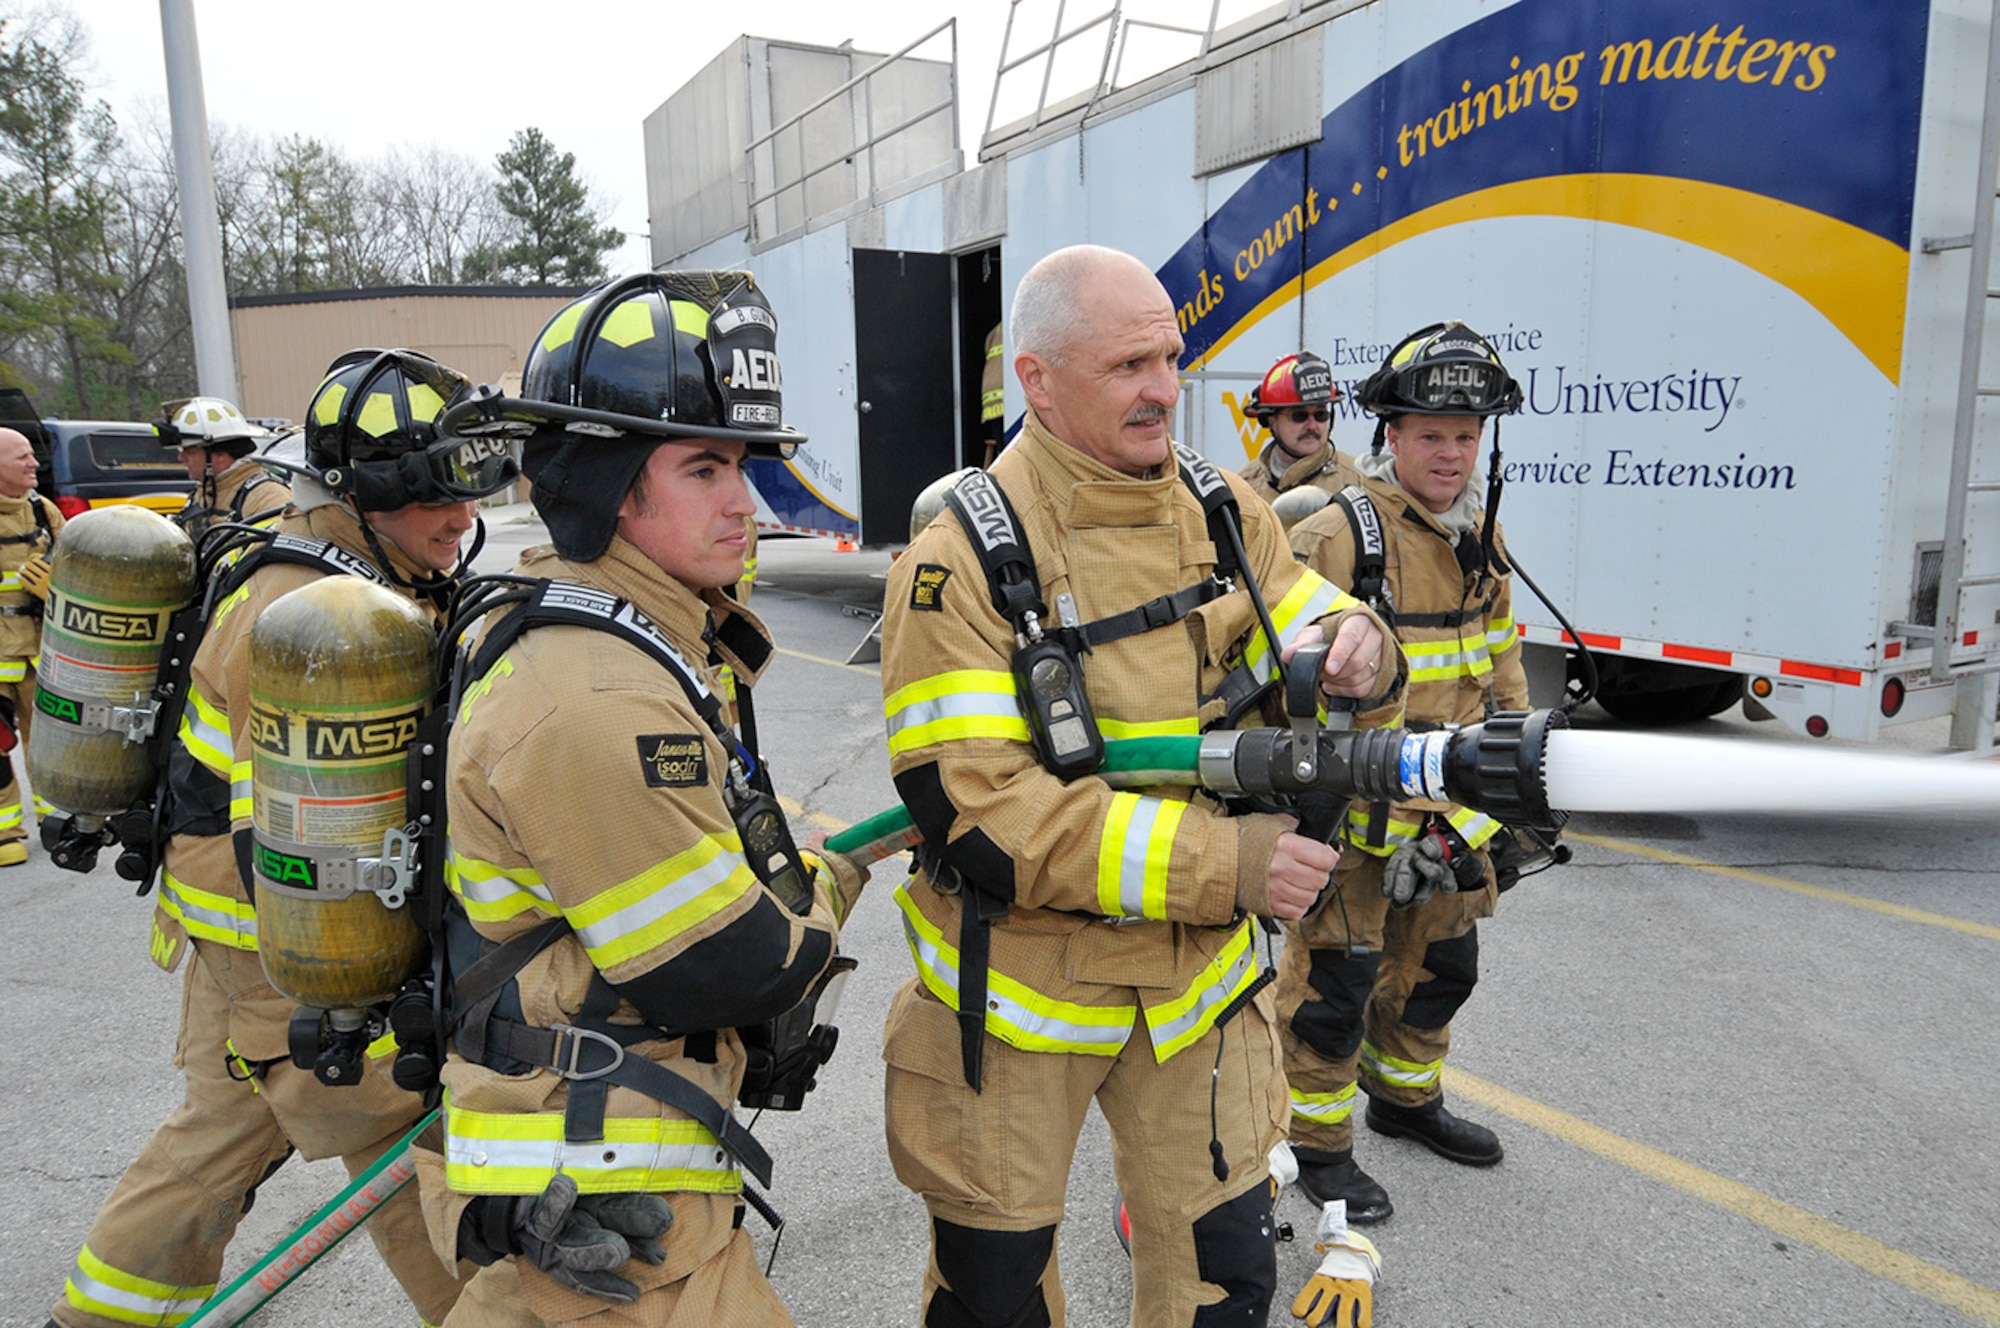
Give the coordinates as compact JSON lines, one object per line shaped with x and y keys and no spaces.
{"x":1980,"y":929}
{"x":1972,"y":1299}
{"x":792,"y":807}
{"x":1967,"y":1297}
{"x":833,"y":663}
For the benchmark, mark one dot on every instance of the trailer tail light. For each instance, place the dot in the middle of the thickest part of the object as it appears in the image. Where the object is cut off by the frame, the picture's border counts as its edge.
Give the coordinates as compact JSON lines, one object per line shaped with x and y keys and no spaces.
{"x":71,"y":506}
{"x":1816,"y":725}
{"x":1760,"y":688}
{"x":1892,"y":697}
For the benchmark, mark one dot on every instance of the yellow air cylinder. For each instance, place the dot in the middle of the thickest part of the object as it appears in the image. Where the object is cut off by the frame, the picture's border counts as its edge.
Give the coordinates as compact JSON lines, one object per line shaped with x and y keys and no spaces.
{"x":340,"y":676}
{"x":115,"y":579}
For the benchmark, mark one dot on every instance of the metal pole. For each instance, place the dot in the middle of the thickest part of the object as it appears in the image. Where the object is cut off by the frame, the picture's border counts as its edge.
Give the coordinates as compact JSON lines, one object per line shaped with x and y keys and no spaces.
{"x":201,"y":230}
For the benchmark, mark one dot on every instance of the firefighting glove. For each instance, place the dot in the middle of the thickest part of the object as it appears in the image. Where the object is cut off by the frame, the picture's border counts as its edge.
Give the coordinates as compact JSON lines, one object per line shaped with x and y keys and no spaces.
{"x":576,"y":1240}
{"x":34,"y":576}
{"x":1508,"y":854}
{"x":1341,"y":1291}
{"x":1437,"y":859}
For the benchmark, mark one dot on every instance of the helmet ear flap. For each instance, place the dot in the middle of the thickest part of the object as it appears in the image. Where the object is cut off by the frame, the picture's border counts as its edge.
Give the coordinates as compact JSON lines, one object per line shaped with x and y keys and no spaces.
{"x":384,"y":486}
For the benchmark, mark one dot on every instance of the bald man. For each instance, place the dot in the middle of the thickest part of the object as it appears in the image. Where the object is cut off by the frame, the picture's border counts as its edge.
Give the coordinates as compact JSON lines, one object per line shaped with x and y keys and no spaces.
{"x":28,"y":526}
{"x":1075,"y":942}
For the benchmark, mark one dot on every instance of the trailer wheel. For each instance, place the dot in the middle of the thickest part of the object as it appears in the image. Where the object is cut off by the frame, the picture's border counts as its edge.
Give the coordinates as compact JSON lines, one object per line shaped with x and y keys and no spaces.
{"x":1727,"y":693}
{"x":1677,"y":705}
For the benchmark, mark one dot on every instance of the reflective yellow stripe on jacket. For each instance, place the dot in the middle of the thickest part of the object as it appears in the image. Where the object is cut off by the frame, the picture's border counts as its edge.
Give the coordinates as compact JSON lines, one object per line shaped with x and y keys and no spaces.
{"x":1475,"y":828}
{"x":1132,"y":856}
{"x":207,"y":916}
{"x":1311,"y":598}
{"x":492,"y":893}
{"x":946,"y":707}
{"x":1022,"y":1017}
{"x":1439,"y":661}
{"x":635,"y":916}
{"x":95,"y":1287}
{"x":1180,"y":1023}
{"x":1500,"y":635}
{"x":205,"y":733}
{"x":508,"y":1153}
{"x":13,"y":670}
{"x":626,"y":920}
{"x":1015,"y":1013}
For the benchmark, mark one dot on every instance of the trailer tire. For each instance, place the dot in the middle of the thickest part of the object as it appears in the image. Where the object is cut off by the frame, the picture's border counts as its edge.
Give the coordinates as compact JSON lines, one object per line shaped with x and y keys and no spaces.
{"x":1727,"y":693}
{"x":1678,"y":705}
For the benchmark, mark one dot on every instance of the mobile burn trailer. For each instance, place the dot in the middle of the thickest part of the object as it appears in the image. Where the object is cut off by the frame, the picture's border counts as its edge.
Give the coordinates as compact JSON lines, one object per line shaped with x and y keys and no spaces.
{"x":1737,"y":253}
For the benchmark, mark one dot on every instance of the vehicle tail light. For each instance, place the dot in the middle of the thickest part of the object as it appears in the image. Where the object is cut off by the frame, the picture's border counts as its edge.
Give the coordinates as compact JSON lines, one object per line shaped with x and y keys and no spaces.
{"x":71,"y":506}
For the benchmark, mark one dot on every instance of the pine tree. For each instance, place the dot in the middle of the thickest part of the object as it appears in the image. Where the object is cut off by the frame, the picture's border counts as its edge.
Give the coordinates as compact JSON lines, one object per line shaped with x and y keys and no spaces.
{"x":56,"y":148}
{"x":558,"y":235}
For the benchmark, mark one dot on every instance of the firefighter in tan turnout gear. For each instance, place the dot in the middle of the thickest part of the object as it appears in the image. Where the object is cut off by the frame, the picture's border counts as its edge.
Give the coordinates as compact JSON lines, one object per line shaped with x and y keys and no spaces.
{"x":391,"y":503}
{"x":1074,"y":942}
{"x":1370,"y":980}
{"x":28,"y":526}
{"x":1295,"y":402}
{"x":604,"y":808}
{"x":215,"y":446}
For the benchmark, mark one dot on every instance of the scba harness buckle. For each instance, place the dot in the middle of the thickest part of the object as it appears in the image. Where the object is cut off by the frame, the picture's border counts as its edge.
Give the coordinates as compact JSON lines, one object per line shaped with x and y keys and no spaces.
{"x":566,"y":1055}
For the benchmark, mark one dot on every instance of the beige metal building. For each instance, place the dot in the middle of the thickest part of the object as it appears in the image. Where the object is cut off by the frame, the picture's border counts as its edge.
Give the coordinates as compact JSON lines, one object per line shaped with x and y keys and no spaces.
{"x":285,"y":342}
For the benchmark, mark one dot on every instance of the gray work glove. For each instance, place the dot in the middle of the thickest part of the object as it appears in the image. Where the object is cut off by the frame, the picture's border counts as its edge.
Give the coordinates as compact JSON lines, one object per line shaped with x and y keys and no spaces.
{"x":579,"y":1239}
{"x":1438,"y":859}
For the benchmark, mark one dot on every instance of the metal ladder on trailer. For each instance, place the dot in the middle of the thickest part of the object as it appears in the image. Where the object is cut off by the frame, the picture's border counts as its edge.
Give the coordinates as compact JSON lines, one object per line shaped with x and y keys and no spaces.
{"x":1973,"y":714}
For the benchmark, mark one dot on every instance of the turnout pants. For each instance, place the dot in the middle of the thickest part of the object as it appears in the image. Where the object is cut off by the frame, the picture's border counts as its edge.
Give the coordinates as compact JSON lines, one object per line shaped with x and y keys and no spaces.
{"x":992,"y":1167}
{"x":17,"y":683}
{"x":728,"y":1290}
{"x":1366,"y":994}
{"x":155,"y":1252}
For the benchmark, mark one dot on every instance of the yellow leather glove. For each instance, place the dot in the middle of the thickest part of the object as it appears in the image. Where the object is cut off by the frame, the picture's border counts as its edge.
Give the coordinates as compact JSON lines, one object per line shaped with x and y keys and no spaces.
{"x":34,"y":576}
{"x":1341,"y":1292}
{"x":837,"y":874}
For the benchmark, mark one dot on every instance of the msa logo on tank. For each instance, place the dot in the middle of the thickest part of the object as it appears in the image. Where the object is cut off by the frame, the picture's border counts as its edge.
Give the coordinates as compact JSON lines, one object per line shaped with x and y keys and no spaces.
{"x":322,"y":738}
{"x":59,"y":707}
{"x":99,"y":622}
{"x":284,"y":868}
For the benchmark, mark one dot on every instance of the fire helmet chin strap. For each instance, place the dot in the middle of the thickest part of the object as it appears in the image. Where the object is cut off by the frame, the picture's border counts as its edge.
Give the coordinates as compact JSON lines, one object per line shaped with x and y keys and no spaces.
{"x":436,"y":586}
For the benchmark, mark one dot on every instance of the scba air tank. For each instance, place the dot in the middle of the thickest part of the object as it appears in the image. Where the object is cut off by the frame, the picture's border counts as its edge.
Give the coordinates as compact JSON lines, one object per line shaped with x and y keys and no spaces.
{"x":340,"y":676}
{"x":116,"y":578}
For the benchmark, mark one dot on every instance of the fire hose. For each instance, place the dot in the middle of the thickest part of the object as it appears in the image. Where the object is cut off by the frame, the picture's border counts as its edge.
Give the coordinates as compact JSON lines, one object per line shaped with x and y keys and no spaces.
{"x":1494,"y":767}
{"x":338,"y":1219}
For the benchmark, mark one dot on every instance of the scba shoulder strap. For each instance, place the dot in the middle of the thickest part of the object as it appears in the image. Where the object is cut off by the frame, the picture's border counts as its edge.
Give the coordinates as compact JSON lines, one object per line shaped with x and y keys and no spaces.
{"x":1371,"y":564}
{"x":1001,"y":545}
{"x":41,"y":533}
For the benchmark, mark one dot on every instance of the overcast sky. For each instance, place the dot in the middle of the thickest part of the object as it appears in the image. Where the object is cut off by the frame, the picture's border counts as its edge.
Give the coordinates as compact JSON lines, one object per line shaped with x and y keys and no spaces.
{"x":466,"y":74}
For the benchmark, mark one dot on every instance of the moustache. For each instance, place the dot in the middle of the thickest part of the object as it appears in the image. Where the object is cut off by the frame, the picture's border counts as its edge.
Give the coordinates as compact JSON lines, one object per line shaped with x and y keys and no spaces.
{"x":1148,"y":415}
